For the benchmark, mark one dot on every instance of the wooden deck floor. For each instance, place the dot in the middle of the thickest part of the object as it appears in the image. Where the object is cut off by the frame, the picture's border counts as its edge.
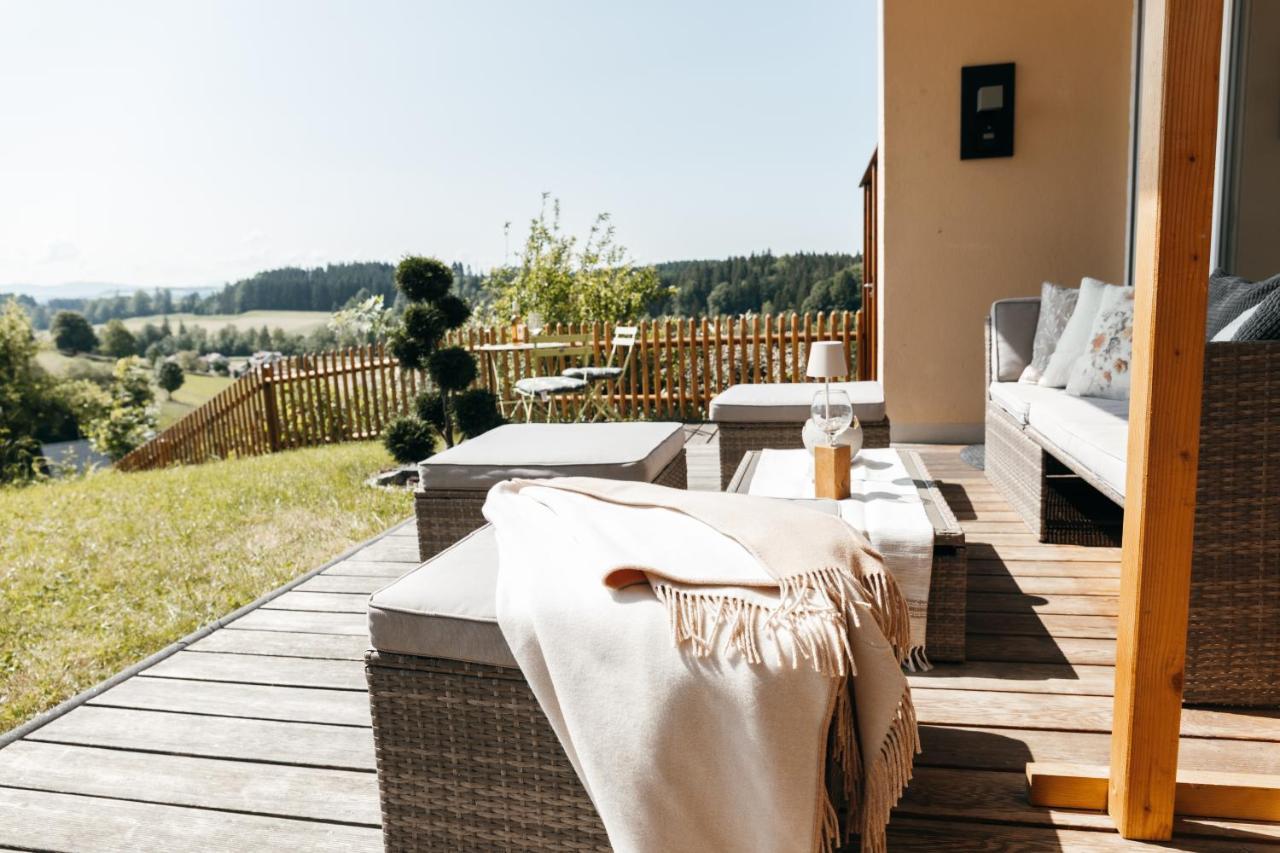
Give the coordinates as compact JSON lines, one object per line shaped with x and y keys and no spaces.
{"x":257,"y":737}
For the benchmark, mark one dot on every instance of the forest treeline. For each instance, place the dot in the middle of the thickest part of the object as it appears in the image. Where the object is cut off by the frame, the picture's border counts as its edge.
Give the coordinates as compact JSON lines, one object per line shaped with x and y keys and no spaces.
{"x":806,"y":281}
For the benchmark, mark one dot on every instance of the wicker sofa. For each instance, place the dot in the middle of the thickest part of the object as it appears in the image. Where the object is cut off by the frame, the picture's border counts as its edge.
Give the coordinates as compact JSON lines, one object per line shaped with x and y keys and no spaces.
{"x":771,"y":415}
{"x":452,"y":485}
{"x":1060,"y":461}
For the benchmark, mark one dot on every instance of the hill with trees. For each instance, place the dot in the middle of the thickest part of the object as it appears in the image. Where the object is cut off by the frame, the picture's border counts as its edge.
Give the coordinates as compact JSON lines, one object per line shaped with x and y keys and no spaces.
{"x":765,"y":283}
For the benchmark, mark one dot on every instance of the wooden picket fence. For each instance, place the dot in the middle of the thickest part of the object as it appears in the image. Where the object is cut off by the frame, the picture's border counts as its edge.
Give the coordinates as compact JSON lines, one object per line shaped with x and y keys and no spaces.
{"x":677,"y":367}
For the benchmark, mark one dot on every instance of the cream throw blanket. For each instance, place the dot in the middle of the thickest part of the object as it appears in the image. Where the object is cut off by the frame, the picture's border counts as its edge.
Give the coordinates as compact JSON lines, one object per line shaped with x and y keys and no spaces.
{"x":885,"y":507}
{"x":783,"y":723}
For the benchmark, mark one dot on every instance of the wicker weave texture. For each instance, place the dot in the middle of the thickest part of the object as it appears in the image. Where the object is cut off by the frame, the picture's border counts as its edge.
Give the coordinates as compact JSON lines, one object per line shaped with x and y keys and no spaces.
{"x":446,"y":515}
{"x":1233,"y":638}
{"x":467,"y":761}
{"x":948,"y":589}
{"x":737,"y":438}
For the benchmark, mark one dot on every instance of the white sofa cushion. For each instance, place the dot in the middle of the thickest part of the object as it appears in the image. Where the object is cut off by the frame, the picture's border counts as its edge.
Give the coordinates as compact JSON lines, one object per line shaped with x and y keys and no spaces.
{"x":1091,"y":430}
{"x":615,"y":451}
{"x":788,"y":402}
{"x":445,"y":608}
{"x":1057,"y":304}
{"x":1105,"y":368}
{"x":1016,"y":398}
{"x":1075,"y":337}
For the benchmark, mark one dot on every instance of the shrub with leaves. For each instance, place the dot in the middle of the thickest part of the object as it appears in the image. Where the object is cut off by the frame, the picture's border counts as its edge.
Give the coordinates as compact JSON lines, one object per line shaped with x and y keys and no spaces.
{"x":131,"y":420}
{"x":476,"y":411}
{"x":170,"y":376}
{"x":432,"y":312}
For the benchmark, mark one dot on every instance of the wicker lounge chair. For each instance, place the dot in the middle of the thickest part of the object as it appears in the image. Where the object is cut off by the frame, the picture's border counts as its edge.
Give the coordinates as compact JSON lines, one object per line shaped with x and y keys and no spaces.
{"x":755,"y":417}
{"x":452,"y":485}
{"x":1060,"y":461}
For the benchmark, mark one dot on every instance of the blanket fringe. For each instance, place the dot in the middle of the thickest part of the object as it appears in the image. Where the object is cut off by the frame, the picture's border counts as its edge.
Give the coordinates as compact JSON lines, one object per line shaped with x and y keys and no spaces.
{"x":917,"y":660}
{"x":888,"y":776}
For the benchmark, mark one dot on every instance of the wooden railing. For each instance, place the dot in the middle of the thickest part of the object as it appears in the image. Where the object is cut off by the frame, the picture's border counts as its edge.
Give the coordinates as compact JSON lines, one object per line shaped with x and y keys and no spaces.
{"x":295,"y":402}
{"x":675,"y":369}
{"x":868,"y":330}
{"x":678,"y":364}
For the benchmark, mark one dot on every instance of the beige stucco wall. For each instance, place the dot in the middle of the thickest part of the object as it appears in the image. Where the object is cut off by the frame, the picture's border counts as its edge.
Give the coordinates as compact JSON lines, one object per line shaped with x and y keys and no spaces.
{"x":957,"y":235}
{"x":1258,"y":182}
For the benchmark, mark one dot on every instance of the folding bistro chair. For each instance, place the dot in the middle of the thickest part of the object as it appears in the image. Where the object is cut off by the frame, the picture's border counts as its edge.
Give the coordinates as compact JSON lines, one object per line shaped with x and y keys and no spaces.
{"x":604,"y":382}
{"x":547,"y":385}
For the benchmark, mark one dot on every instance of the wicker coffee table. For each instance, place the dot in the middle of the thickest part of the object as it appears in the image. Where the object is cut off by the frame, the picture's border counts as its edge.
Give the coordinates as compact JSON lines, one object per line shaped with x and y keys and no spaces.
{"x":948,"y":585}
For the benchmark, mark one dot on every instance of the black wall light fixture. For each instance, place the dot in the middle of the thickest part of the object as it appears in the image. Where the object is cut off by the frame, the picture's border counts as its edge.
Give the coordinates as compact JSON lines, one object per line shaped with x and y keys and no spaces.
{"x":986,"y":111}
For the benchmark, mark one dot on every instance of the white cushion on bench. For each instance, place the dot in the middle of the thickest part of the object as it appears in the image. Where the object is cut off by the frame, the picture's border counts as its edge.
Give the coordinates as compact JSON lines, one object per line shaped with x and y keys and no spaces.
{"x":788,"y":402}
{"x":617,"y":451}
{"x":1093,"y":431}
{"x":445,"y":608}
{"x":1016,"y":398}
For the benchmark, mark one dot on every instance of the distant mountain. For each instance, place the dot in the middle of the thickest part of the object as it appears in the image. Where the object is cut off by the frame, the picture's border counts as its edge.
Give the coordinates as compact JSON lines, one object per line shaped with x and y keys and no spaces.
{"x":92,"y":290}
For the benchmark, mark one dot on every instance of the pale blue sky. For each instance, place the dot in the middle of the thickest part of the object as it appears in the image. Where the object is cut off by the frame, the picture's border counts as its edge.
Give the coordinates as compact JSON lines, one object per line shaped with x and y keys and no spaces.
{"x":159,"y":143}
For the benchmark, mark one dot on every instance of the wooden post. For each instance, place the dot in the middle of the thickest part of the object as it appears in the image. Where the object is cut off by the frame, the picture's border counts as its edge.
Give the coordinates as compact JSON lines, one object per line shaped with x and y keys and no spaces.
{"x":1177,"y":141}
{"x":1176,"y":149}
{"x":269,"y":404}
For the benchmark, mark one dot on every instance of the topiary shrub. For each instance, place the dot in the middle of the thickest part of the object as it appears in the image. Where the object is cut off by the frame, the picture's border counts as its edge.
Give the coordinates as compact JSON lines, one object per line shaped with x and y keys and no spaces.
{"x":409,"y":440}
{"x":415,"y":342}
{"x":476,"y":410}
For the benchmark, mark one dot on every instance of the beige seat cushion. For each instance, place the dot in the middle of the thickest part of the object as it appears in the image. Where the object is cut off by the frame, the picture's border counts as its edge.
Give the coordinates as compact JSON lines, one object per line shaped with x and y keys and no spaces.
{"x":1092,"y":431}
{"x":617,"y":451}
{"x":788,"y":402}
{"x":445,"y":607}
{"x":1016,"y":398}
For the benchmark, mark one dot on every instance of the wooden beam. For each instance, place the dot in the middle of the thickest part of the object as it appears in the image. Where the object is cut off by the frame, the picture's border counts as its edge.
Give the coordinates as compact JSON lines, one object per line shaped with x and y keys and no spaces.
{"x":1176,"y":145}
{"x":1199,"y":793}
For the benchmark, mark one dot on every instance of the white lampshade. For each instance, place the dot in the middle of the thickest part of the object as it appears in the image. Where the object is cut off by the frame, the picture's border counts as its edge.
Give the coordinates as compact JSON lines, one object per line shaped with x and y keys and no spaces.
{"x":826,"y":360}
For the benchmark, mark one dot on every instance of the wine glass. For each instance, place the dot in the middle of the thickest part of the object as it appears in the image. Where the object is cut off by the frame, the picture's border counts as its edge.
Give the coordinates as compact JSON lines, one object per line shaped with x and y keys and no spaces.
{"x":535,"y":323}
{"x":832,"y":412}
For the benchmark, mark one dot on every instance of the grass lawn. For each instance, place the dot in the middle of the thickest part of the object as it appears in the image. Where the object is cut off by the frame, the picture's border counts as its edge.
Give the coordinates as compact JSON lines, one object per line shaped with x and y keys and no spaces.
{"x":98,"y":573}
{"x":196,"y":390}
{"x":290,"y":321}
{"x":58,"y":364}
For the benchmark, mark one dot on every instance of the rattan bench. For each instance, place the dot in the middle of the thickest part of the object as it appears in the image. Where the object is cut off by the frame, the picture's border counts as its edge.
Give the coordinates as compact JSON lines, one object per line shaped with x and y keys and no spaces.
{"x":1233,"y":640}
{"x":760,"y":416}
{"x":452,"y":485}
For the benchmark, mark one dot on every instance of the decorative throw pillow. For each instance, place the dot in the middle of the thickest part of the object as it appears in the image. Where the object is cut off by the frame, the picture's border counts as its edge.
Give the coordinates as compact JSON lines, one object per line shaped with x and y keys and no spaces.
{"x":1103,"y":370}
{"x":1264,"y":325}
{"x":1229,"y":331}
{"x":1230,"y":296}
{"x":1075,"y":336}
{"x":1056,"y":305}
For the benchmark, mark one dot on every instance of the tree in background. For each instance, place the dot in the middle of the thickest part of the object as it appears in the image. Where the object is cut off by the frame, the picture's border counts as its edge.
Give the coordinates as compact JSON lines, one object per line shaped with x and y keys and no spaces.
{"x":20,"y":389}
{"x":72,"y":333}
{"x":118,"y":341}
{"x":170,"y":377}
{"x":565,"y":284}
{"x":131,"y":419}
{"x":416,"y":342}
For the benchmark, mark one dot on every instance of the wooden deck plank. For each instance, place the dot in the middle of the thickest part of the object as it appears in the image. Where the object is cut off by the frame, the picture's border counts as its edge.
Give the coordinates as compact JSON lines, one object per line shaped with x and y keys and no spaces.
{"x":68,"y":822}
{"x":1060,"y":605}
{"x":1018,"y":678}
{"x":1038,"y":585}
{"x":320,"y":602}
{"x":1035,"y":625}
{"x":997,"y":647}
{"x":294,"y":621}
{"x":356,"y":567}
{"x":303,"y":744}
{"x":907,"y":835}
{"x":287,"y":644}
{"x":262,"y":669}
{"x":397,"y":550}
{"x":1043,"y":568}
{"x":346,"y":796}
{"x":365,"y":585}
{"x":1006,"y":551}
{"x":1078,"y":713}
{"x":1010,"y":749}
{"x":983,"y":795}
{"x":302,"y":704}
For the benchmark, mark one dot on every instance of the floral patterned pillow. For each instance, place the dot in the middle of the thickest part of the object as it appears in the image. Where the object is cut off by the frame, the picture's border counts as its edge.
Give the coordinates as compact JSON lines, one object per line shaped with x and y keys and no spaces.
{"x":1104,"y":369}
{"x":1056,"y":305}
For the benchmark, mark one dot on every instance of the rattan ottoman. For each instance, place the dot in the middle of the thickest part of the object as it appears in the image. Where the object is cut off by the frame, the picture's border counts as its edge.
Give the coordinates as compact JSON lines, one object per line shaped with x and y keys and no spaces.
{"x":466,"y":758}
{"x":759,"y":416}
{"x":452,"y":485}
{"x":949,"y":582}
